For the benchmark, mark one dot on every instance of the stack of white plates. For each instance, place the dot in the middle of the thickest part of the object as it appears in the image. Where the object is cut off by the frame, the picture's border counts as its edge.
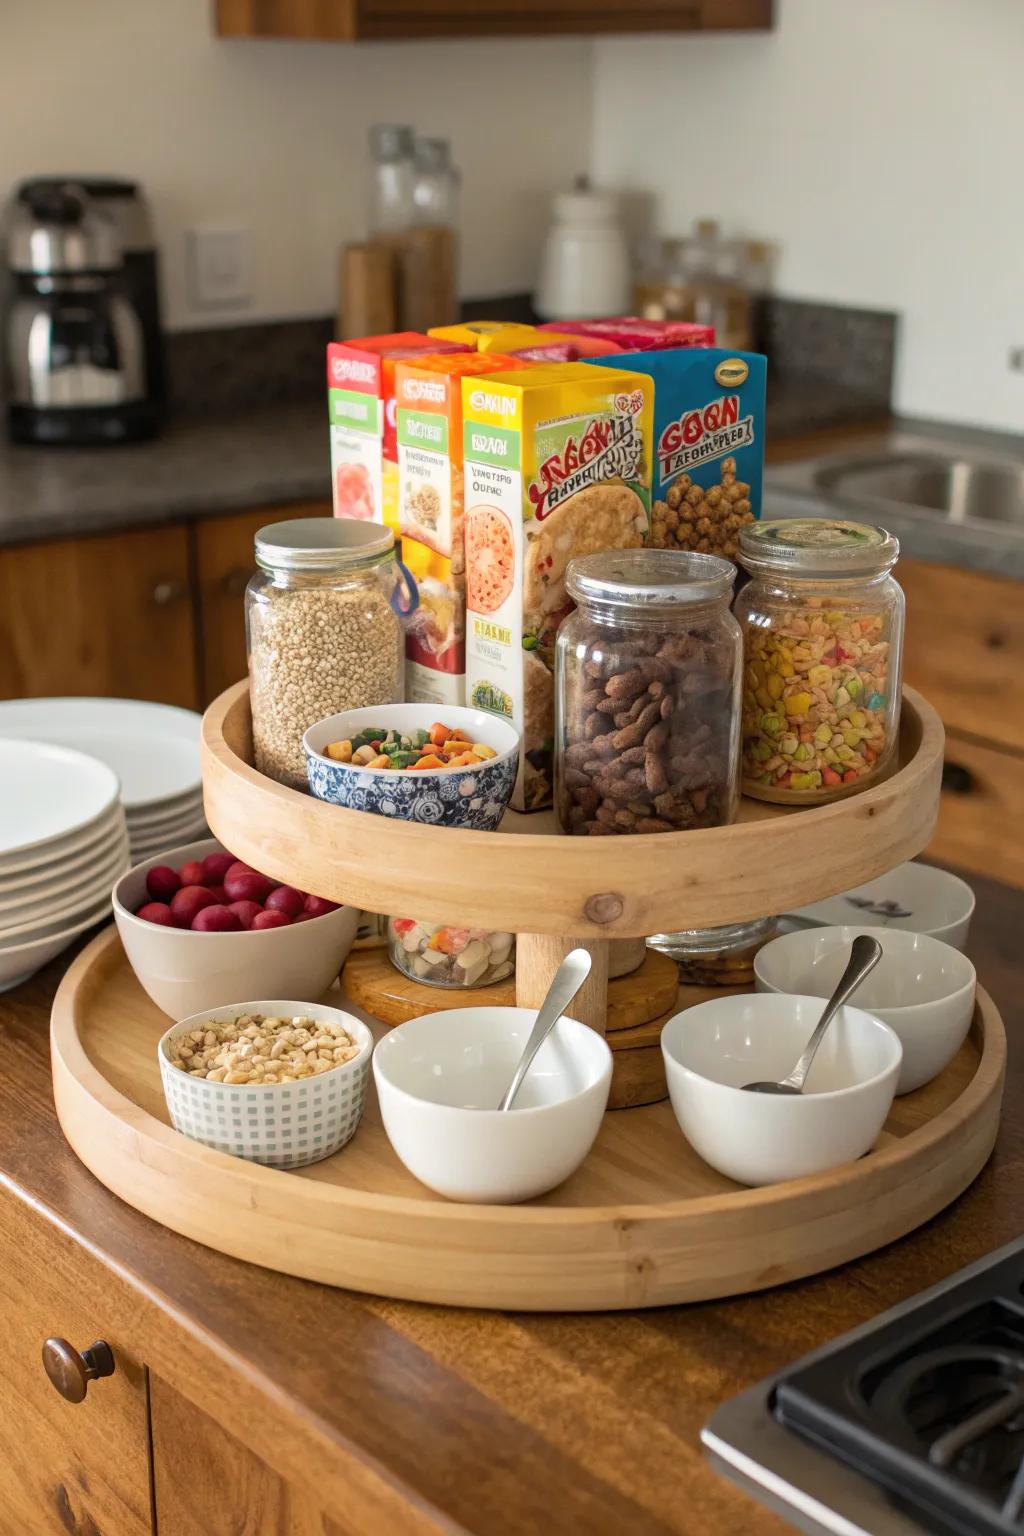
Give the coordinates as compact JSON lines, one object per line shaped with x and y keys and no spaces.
{"x":153,"y":749}
{"x":63,"y":844}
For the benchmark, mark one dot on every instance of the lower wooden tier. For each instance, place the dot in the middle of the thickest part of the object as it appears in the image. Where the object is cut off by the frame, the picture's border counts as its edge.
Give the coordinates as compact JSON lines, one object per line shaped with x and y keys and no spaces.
{"x":643,"y":1223}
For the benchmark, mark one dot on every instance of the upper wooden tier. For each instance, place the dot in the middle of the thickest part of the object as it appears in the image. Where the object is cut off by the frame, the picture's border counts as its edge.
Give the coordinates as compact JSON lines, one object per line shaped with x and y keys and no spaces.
{"x":771,"y":860}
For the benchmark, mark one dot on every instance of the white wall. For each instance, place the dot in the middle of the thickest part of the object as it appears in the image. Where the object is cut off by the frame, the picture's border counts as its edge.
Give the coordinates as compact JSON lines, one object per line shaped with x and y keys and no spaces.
{"x":879,"y":143}
{"x":273,"y":134}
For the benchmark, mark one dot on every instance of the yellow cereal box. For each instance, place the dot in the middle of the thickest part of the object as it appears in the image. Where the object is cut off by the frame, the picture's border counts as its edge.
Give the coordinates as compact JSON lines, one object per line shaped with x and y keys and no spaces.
{"x":557,"y":463}
{"x":491,"y":335}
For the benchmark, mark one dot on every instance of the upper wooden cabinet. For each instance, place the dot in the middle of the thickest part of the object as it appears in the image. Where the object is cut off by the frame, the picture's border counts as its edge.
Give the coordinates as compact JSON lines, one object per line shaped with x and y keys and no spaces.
{"x":352,"y":20}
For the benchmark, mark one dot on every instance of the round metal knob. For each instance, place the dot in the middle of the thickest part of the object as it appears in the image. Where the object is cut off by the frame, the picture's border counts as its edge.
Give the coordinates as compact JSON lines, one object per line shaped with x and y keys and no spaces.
{"x":958,"y":780}
{"x":71,"y":1372}
{"x":166,"y":592}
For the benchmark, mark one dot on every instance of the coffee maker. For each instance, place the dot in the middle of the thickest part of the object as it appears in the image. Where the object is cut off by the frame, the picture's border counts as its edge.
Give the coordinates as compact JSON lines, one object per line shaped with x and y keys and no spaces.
{"x":82,"y":342}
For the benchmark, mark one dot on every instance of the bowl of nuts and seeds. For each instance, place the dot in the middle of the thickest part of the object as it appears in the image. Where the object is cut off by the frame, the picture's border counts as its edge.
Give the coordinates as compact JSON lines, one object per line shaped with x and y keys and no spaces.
{"x":432,"y":763}
{"x":280,"y":1083}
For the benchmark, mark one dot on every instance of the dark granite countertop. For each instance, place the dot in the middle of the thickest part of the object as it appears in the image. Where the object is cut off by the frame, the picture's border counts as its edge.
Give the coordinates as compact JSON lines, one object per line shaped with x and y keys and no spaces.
{"x":264,"y":456}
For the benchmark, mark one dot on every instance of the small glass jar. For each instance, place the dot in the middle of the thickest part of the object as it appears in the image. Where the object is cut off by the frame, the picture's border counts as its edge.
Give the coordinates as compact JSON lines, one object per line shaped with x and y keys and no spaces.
{"x":449,"y":956}
{"x":322,"y":631}
{"x":823,"y":639}
{"x":647,"y":694}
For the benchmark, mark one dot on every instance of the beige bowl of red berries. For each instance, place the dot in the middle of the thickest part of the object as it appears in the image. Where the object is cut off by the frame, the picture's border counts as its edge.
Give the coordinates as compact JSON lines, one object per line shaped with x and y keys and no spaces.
{"x":202,"y":929}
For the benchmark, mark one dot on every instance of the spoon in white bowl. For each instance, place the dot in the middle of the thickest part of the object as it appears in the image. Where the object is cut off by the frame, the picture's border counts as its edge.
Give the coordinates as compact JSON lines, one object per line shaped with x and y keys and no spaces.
{"x":565,"y":983}
{"x":865,"y":954}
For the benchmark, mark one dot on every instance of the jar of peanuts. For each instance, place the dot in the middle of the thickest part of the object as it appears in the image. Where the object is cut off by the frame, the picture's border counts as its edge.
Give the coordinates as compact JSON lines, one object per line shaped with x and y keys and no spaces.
{"x":823,"y":638}
{"x":322,"y":617}
{"x":647,"y":694}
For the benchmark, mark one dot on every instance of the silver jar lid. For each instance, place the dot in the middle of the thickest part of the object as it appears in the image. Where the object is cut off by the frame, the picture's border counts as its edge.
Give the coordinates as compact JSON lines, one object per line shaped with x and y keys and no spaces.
{"x":322,"y":544}
{"x":817,"y":546}
{"x":653,"y":580}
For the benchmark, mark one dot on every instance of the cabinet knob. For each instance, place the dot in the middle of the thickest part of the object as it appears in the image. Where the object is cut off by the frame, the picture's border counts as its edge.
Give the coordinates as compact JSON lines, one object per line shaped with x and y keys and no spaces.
{"x":235,"y":582}
{"x":71,"y":1372}
{"x":166,"y":592}
{"x":957,"y":779}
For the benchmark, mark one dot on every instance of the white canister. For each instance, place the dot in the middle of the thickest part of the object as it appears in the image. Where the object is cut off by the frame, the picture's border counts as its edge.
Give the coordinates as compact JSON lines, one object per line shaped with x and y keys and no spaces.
{"x":585,"y":269}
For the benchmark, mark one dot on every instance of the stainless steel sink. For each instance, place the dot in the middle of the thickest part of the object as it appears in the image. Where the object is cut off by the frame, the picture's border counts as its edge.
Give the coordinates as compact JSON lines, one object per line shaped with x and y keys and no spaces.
{"x":957,"y":489}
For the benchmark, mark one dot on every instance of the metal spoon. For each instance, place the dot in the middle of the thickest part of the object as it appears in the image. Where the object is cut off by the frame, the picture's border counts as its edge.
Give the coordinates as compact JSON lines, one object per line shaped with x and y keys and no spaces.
{"x":865,"y":954}
{"x":565,"y":983}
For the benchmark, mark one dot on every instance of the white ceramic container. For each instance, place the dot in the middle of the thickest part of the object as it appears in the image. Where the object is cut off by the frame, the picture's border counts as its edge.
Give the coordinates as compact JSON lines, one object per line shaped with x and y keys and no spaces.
{"x":20,"y":960}
{"x":184,"y":972}
{"x":440,"y":1076}
{"x":713,"y":1049}
{"x":935,"y":903}
{"x":68,"y":896}
{"x":921,"y":987}
{"x":50,"y":794}
{"x":284,"y":1125}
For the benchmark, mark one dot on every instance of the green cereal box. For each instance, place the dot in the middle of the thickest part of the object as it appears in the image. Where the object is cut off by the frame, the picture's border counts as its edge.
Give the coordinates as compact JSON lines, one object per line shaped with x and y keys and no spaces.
{"x":708,"y":445}
{"x":557,"y":464}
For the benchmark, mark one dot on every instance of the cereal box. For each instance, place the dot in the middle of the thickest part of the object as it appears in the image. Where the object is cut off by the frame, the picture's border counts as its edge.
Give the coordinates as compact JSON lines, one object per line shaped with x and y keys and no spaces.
{"x":428,"y":395}
{"x":488,"y":335}
{"x":634,"y":333}
{"x":557,"y":464}
{"x":361,"y":407}
{"x":708,"y":445}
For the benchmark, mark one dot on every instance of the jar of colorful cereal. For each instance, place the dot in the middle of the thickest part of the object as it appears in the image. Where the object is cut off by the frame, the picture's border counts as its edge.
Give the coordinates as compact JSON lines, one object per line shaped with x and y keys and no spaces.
{"x":449,"y":955}
{"x":822,"y":626}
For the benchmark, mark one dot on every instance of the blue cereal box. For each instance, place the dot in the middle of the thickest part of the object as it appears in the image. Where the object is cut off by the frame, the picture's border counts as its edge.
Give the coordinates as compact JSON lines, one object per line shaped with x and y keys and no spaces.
{"x":708,"y":470}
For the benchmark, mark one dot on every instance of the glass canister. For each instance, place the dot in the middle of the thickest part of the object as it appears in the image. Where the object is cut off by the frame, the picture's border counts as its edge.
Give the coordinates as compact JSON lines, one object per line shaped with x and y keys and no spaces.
{"x":822,"y":624}
{"x":449,"y":956}
{"x":322,"y":631}
{"x":647,"y":694}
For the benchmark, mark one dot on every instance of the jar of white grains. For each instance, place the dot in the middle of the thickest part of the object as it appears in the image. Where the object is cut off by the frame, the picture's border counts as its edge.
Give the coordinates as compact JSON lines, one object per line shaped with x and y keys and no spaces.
{"x":322,"y":630}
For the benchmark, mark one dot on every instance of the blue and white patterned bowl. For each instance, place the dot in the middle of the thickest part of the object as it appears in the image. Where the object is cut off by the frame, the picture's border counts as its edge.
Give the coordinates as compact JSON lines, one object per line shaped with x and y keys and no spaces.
{"x":283,"y":1125}
{"x":445,"y":797}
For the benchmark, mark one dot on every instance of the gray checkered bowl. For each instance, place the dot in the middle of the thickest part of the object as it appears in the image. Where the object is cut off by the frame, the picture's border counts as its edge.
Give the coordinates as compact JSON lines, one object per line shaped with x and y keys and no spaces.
{"x":284,"y":1125}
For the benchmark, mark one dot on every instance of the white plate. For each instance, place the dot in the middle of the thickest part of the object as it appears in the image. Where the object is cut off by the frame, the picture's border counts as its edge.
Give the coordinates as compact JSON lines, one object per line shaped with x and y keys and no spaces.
{"x":63,"y":882}
{"x":153,"y":748}
{"x":50,"y":857}
{"x":21,"y":961}
{"x":146,"y":847}
{"x":68,"y":870}
{"x":18,"y":913}
{"x":48,"y":792}
{"x":155,"y":821}
{"x":60,"y":914}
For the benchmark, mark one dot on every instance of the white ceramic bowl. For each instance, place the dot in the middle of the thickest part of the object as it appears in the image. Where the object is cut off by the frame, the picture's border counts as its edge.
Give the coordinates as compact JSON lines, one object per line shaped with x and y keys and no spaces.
{"x":20,"y":961}
{"x":184,"y":972}
{"x":439,"y":1077}
{"x":936,"y":903}
{"x":713,"y":1049}
{"x":284,"y":1125}
{"x":921,"y":987}
{"x":449,"y":797}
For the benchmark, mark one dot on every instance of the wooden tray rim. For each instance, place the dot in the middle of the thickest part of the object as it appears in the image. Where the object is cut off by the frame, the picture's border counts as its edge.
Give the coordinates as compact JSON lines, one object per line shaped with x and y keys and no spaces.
{"x":70,"y":1058}
{"x":608,"y":887}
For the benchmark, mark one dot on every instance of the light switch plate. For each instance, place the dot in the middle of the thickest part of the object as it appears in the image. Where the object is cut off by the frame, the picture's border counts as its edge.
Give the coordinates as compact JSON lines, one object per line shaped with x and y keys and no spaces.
{"x":219,"y":266}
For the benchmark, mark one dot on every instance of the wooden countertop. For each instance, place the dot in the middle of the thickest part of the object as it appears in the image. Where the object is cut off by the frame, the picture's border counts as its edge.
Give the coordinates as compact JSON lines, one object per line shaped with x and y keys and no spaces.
{"x":409,"y":1419}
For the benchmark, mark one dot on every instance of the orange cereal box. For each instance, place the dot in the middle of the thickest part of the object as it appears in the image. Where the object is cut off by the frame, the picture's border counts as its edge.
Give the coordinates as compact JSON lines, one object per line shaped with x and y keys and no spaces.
{"x":428,"y":394}
{"x":557,"y":463}
{"x":361,"y":411}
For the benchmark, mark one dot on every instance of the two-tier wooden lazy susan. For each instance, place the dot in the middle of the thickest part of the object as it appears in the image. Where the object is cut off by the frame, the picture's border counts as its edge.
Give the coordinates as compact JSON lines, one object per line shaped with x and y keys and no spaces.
{"x":644,"y":1222}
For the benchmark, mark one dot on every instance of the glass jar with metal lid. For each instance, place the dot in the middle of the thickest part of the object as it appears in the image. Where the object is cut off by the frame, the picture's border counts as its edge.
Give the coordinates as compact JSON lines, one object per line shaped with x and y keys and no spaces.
{"x":822,"y":624}
{"x":647,"y":694}
{"x":323,"y":631}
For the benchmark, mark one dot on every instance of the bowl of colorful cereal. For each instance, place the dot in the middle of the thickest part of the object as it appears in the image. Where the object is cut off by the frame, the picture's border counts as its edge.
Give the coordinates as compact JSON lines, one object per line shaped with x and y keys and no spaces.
{"x":444,"y":765}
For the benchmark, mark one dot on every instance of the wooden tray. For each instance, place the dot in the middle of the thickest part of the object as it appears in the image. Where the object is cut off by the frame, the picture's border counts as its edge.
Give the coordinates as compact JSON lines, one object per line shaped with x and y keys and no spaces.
{"x":643,"y":1223}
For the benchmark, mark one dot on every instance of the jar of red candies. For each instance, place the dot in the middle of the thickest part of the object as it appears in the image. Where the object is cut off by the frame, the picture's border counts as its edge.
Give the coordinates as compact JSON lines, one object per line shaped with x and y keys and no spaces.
{"x":822,"y":623}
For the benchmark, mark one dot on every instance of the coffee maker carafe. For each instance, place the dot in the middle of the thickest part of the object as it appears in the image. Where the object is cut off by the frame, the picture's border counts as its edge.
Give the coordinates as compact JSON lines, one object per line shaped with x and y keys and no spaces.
{"x":81,"y":336}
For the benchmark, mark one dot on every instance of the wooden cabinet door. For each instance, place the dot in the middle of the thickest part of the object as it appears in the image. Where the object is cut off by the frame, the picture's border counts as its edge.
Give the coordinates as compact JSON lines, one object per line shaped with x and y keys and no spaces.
{"x":965,"y":648}
{"x":206,"y":1483}
{"x":111,"y":615}
{"x":224,"y":557}
{"x":64,"y":1467}
{"x":979,"y":824}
